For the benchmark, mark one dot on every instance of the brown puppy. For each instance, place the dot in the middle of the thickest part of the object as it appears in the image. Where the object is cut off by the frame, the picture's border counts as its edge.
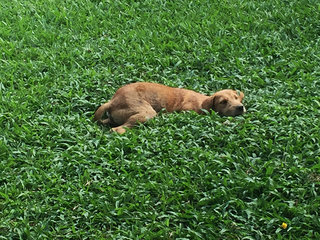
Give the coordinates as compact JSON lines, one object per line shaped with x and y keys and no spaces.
{"x":138,"y":102}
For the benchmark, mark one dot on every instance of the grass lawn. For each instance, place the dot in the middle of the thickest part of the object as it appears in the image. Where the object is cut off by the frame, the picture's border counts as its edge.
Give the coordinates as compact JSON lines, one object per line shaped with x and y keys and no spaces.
{"x":180,"y":176}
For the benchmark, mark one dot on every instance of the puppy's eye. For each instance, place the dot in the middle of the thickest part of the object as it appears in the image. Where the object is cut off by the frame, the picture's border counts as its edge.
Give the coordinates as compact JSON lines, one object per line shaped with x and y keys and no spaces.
{"x":224,"y":101}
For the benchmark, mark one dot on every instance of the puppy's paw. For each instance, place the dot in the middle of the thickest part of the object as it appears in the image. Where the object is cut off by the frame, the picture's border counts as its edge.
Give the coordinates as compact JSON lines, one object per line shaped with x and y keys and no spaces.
{"x":105,"y":121}
{"x":119,"y":130}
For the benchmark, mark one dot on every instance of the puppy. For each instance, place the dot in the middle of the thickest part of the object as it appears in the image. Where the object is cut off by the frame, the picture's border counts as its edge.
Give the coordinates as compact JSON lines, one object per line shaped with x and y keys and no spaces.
{"x":138,"y":102}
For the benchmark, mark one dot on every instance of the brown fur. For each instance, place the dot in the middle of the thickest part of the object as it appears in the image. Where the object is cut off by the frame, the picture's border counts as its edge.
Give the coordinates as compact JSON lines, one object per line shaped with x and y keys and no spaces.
{"x":138,"y":102}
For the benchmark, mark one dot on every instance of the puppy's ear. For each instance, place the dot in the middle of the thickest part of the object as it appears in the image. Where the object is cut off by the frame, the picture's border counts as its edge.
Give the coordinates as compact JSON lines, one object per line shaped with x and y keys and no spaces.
{"x":209,"y":103}
{"x":241,"y":96}
{"x":214,"y":102}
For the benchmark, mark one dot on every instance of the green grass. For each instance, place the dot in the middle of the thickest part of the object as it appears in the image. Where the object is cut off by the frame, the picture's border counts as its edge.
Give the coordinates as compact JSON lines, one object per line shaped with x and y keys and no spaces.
{"x":180,"y":176}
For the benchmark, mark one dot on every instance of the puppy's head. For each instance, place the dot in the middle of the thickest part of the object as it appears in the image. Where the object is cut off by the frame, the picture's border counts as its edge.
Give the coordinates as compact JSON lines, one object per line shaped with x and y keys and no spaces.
{"x":228,"y":102}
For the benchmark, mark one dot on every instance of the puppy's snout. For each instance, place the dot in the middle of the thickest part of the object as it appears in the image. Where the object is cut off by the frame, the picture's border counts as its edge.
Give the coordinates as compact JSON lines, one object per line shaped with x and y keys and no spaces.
{"x":240,"y":108}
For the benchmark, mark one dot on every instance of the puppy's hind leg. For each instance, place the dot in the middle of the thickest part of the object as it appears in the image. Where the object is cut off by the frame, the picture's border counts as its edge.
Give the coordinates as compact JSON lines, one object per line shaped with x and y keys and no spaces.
{"x":100,"y":112}
{"x":133,"y":120}
{"x":105,"y":121}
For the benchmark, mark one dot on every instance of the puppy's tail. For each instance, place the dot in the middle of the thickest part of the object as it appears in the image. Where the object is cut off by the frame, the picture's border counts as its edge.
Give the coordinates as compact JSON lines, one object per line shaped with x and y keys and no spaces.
{"x":101,"y":111}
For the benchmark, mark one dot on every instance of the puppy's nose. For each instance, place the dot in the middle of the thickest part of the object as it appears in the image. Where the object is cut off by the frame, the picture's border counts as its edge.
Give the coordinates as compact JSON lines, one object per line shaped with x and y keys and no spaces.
{"x":240,"y":108}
